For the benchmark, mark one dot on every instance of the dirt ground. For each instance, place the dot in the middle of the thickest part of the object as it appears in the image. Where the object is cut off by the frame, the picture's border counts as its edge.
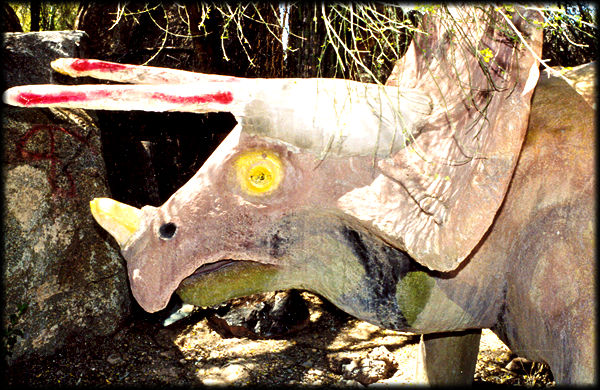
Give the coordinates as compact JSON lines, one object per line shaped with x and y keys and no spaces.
{"x":333,"y":349}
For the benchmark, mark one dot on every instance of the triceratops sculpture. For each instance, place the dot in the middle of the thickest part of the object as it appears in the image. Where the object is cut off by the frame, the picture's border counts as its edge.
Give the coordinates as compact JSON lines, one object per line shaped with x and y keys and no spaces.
{"x":400,"y":204}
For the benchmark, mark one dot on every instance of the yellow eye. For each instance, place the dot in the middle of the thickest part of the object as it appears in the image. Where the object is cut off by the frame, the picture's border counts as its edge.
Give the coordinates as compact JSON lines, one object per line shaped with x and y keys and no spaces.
{"x":259,"y":172}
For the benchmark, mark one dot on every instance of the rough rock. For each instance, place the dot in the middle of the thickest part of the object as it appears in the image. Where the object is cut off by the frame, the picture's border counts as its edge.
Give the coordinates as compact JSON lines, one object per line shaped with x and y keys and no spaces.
{"x":268,"y":315}
{"x":115,"y":358}
{"x":379,"y":364}
{"x":26,"y":57}
{"x":229,"y":374}
{"x":64,"y":281}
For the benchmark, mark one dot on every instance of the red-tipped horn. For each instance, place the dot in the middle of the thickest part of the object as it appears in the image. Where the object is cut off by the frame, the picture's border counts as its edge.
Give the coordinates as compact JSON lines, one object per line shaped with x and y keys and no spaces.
{"x":134,"y":74}
{"x":205,"y":97}
{"x":326,"y":116}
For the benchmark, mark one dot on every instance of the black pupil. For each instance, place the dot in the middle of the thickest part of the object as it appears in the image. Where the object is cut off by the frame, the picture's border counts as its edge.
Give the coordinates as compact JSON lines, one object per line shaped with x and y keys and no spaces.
{"x":167,"y":230}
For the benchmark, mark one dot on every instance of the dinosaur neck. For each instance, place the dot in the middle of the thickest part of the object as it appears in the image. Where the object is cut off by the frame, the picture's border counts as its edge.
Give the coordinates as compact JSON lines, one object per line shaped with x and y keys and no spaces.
{"x":375,"y":282}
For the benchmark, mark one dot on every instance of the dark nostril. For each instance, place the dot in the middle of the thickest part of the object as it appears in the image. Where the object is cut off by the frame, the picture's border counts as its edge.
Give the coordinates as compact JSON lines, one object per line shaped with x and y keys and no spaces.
{"x":167,"y":230}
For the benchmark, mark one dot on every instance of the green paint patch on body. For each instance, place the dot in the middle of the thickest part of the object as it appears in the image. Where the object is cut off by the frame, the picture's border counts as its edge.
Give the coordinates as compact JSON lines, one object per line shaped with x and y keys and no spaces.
{"x":237,"y":280}
{"x":413,"y":293}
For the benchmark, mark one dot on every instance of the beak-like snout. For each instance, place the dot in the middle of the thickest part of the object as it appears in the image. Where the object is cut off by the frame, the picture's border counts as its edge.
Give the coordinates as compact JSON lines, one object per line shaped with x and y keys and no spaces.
{"x":117,"y":218}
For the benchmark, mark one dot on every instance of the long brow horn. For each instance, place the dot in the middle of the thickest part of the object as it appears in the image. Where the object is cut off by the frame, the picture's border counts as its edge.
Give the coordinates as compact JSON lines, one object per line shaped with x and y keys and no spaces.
{"x":134,"y":74}
{"x":204,"y":97}
{"x":150,"y":89}
{"x":327,"y":116}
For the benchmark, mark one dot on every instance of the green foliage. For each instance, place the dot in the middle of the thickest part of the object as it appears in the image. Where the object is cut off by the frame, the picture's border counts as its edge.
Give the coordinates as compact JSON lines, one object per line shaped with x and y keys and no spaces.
{"x":570,"y":34}
{"x":53,"y":15}
{"x":366,"y":39}
{"x":359,"y":41}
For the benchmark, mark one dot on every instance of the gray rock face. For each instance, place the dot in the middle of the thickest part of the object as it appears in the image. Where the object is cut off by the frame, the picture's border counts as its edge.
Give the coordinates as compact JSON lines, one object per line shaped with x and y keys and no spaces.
{"x":26,"y":56}
{"x":63,"y":280}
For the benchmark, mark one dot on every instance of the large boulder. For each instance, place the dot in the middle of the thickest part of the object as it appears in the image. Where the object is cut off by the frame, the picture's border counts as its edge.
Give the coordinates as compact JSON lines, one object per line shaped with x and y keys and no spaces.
{"x":9,"y":20}
{"x":63,"y":280}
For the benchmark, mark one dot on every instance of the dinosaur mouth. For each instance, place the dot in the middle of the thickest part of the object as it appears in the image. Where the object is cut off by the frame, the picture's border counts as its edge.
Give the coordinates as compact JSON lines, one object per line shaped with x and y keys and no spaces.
{"x":211,"y":267}
{"x":222,"y":280}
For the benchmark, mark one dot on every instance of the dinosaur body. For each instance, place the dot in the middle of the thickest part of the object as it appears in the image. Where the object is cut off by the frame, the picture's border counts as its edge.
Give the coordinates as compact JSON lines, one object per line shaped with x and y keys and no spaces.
{"x":442,"y":220}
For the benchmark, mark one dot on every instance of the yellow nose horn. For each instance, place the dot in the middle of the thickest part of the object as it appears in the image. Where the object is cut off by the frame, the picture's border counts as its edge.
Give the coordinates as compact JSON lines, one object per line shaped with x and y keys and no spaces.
{"x":117,"y":218}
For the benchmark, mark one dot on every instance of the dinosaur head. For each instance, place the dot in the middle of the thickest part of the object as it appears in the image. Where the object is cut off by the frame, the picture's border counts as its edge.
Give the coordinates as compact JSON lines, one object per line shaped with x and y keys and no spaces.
{"x":335,"y":186}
